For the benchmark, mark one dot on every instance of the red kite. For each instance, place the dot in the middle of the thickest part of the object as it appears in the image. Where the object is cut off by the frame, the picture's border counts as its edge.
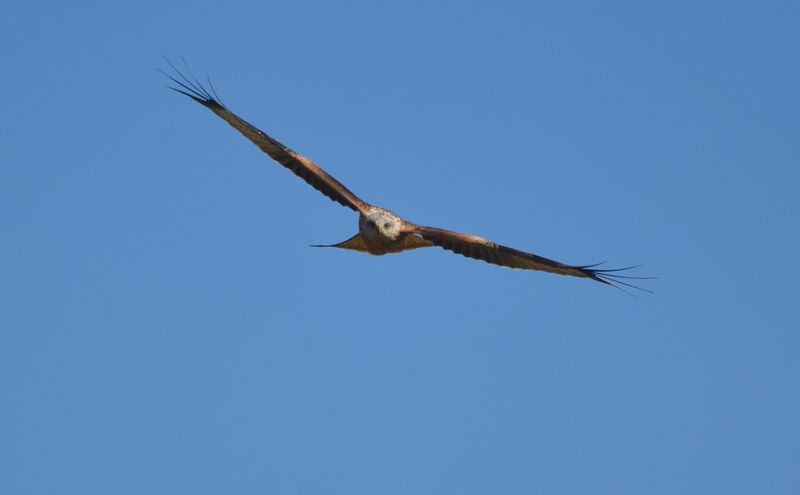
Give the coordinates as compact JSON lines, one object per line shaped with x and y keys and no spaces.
{"x":379,"y":230}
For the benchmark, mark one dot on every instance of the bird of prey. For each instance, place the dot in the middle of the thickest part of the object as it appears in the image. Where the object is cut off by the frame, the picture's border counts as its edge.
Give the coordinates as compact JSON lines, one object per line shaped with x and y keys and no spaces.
{"x":380,"y":231}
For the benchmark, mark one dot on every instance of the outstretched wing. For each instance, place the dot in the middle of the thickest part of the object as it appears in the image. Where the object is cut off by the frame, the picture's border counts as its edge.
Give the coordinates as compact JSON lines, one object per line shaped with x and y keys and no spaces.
{"x":297,"y":163}
{"x":481,"y":249}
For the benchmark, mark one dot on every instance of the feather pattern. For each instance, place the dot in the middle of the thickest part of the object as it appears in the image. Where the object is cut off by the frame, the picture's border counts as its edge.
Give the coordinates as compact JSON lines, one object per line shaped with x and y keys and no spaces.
{"x":298,"y":164}
{"x":482,"y":249}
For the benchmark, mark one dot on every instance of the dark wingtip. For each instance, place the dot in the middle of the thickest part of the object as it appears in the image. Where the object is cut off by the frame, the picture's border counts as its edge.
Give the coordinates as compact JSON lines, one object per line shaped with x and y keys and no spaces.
{"x":191,"y":87}
{"x":612,"y":278}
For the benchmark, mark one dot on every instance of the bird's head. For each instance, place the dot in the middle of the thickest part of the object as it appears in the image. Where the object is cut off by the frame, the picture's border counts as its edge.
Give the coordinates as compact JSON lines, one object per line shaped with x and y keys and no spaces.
{"x":383,"y":224}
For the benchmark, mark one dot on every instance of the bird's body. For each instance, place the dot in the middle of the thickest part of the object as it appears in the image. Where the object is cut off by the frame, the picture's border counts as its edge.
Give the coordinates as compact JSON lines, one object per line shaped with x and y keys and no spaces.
{"x":381,"y":231}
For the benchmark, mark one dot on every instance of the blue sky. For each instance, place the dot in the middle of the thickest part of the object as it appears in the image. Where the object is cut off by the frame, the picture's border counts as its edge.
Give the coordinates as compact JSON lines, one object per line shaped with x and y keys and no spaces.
{"x":166,"y":329}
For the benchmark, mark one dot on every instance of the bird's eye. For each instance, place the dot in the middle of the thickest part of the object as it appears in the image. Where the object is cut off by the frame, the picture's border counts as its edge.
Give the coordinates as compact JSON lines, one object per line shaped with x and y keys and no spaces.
{"x":387,"y":225}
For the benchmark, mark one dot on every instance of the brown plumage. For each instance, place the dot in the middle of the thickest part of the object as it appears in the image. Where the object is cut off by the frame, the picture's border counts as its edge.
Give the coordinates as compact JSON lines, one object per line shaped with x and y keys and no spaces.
{"x":380,"y":230}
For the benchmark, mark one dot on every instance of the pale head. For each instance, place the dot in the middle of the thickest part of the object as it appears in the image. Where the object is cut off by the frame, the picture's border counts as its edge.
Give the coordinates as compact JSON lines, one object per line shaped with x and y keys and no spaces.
{"x":380,"y":225}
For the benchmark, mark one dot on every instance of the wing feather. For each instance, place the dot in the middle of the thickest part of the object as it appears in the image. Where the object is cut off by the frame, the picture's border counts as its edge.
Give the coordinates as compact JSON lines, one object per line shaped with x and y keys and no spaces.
{"x":482,"y":249}
{"x":298,"y":164}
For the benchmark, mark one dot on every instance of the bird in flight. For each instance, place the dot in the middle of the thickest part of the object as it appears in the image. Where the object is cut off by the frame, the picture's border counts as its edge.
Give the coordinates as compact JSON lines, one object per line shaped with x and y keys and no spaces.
{"x":380,"y":231}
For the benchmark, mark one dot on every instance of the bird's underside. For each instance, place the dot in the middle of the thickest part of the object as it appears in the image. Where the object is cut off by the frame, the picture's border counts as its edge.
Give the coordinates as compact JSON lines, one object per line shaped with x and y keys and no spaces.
{"x":380,"y":230}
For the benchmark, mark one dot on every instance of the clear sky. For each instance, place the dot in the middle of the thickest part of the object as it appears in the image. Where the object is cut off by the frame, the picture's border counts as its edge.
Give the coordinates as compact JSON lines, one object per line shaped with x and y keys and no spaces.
{"x":164,"y":327}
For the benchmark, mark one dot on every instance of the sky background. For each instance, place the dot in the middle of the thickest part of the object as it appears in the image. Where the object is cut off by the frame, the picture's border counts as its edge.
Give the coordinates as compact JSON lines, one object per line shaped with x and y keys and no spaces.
{"x":164,"y":327}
